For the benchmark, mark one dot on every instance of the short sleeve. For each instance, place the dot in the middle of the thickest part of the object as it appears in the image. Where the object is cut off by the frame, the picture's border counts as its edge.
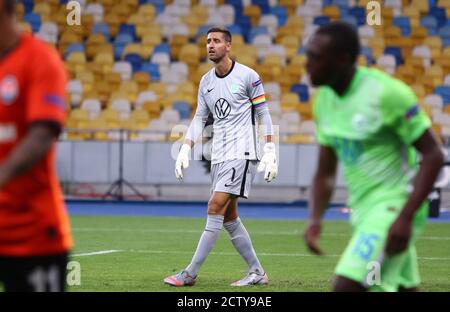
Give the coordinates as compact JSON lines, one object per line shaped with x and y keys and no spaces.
{"x":402,"y":112}
{"x":255,"y":89}
{"x":321,"y":138}
{"x":46,"y":89}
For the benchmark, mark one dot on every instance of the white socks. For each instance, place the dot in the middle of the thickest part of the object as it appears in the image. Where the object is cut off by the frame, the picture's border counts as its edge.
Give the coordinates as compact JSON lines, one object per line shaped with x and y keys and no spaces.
{"x":243,"y":244}
{"x":206,"y":243}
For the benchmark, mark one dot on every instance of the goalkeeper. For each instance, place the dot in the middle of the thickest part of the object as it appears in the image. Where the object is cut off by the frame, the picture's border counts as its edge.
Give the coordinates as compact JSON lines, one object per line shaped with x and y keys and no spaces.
{"x":234,"y":94}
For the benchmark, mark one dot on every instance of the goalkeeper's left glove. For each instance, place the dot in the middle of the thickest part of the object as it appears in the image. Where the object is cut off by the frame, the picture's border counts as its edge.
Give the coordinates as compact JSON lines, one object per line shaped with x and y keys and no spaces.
{"x":269,"y":162}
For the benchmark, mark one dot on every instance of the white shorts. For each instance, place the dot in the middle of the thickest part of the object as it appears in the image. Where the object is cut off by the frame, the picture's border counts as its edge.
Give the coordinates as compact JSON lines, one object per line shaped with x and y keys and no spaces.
{"x":233,"y":176}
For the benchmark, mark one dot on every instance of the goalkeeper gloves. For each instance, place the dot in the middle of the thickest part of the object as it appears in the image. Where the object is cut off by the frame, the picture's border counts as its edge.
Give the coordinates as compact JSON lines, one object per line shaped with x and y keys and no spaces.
{"x":269,"y":162}
{"x":182,"y":161}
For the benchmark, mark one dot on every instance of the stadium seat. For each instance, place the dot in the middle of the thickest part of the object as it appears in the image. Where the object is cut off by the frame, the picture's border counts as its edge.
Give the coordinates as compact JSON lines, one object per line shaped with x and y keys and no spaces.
{"x":301,"y":90}
{"x":444,"y":92}
{"x":183,"y":108}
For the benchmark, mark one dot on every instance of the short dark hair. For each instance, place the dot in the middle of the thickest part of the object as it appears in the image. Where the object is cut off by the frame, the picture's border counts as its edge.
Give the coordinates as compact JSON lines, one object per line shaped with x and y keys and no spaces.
{"x":10,"y":6}
{"x":345,"y":38}
{"x":226,"y":33}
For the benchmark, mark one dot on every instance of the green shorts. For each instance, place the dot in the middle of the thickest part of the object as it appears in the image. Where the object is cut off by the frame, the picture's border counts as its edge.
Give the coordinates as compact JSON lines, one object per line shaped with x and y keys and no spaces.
{"x":364,"y":260}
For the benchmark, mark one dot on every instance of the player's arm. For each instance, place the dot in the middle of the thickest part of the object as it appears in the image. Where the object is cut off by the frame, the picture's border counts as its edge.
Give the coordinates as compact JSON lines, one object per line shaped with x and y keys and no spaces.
{"x":255,"y":91}
{"x":322,"y":189}
{"x":194,"y":131}
{"x":432,"y":160}
{"x":33,"y":147}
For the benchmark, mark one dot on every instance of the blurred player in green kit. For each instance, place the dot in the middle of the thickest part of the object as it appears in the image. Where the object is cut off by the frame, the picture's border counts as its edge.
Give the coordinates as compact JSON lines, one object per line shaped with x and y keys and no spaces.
{"x":372,"y":124}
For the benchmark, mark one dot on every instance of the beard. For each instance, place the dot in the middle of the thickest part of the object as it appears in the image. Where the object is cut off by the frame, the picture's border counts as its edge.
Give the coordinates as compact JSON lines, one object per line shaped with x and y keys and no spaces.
{"x":215,"y":59}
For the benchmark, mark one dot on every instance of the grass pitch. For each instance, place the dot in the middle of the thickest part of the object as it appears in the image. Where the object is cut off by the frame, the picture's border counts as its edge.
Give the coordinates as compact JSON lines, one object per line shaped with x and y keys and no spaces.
{"x":141,"y":251}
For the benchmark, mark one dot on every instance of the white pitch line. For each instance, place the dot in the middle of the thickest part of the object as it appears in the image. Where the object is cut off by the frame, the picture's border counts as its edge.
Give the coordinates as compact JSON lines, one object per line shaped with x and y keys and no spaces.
{"x":269,"y":254}
{"x":95,"y":253}
{"x":252,"y":233}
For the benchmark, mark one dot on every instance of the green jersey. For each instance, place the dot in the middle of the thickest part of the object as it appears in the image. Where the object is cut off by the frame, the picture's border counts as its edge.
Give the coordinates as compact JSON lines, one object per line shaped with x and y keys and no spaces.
{"x":372,"y":128}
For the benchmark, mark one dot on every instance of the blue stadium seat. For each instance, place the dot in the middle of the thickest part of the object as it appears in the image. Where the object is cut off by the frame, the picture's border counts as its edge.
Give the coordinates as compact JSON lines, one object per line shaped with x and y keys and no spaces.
{"x":128,"y":29}
{"x":74,"y":47}
{"x":158,"y":4}
{"x":340,"y":3}
{"x":396,"y":52}
{"x":281,"y":13}
{"x":321,"y":20}
{"x":34,"y":20}
{"x":301,"y":90}
{"x":403,"y":23}
{"x":359,"y":13}
{"x":152,"y":70}
{"x":367,"y":52}
{"x":255,"y":31}
{"x":263,"y":4}
{"x":238,"y":6}
{"x":245,"y":23}
{"x":162,"y":47}
{"x":430,"y":23}
{"x":350,"y":20}
{"x":202,"y":30}
{"x":183,"y":108}
{"x":444,"y":33}
{"x":443,"y":91}
{"x":235,"y":29}
{"x":119,"y":44}
{"x":28,"y":6}
{"x":135,"y":60}
{"x":102,"y":28}
{"x":440,"y":15}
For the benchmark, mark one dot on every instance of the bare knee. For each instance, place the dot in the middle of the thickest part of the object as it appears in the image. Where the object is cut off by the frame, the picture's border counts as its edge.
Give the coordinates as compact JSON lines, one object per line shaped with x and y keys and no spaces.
{"x":216,"y":207}
{"x":343,"y":284}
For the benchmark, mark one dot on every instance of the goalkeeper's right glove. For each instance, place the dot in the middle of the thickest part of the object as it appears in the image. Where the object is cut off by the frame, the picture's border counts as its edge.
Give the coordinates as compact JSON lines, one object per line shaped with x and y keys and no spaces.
{"x":182,"y":160}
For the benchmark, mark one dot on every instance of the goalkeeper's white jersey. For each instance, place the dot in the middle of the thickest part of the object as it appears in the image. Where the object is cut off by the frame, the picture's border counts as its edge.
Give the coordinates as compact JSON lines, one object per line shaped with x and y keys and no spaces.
{"x":232,"y":100}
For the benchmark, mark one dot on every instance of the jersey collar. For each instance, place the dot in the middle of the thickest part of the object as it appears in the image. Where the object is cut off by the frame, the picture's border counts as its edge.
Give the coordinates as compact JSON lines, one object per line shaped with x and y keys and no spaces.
{"x":229,"y":72}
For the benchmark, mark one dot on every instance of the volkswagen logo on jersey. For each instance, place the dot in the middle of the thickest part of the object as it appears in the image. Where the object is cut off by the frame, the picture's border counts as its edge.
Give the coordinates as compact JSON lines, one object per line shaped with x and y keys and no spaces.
{"x":222,"y":108}
{"x":9,"y":89}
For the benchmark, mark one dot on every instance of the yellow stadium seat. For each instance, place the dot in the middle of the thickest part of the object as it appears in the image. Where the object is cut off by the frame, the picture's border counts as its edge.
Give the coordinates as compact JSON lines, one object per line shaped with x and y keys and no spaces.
{"x":113,"y":21}
{"x":132,"y":4}
{"x":152,"y":108}
{"x":67,"y":38}
{"x":406,"y":74}
{"x":176,"y":43}
{"x":254,"y":12}
{"x":122,"y":11}
{"x":140,"y":115}
{"x":131,"y":48}
{"x":158,"y":87}
{"x":443,"y":4}
{"x":291,"y":5}
{"x":435,"y":45}
{"x":147,"y":11}
{"x":135,"y":19}
{"x":190,"y":54}
{"x":131,"y":88}
{"x":151,"y":39}
{"x":332,"y":12}
{"x":200,"y":13}
{"x":291,"y":44}
{"x":44,"y":10}
{"x":20,"y":11}
{"x":289,"y":101}
{"x":142,"y":79}
{"x":114,"y":80}
{"x":418,"y":34}
{"x":421,"y":5}
{"x":104,"y":90}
